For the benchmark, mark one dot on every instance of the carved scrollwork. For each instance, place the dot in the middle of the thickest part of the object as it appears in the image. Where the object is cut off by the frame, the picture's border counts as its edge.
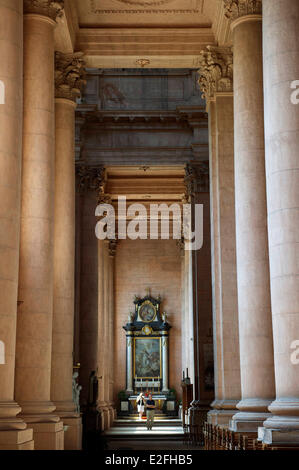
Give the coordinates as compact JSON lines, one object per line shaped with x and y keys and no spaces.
{"x":196,"y":179}
{"x":236,"y":8}
{"x":50,"y":8}
{"x":216,"y":71}
{"x":69,"y":75}
{"x":90,"y":178}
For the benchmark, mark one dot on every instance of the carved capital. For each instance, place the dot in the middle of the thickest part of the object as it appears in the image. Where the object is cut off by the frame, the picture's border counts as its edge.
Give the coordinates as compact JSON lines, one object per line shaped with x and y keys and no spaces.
{"x":196,"y":179}
{"x":112,"y":247}
{"x":69,"y":75}
{"x":216,"y":71}
{"x":236,"y":8}
{"x":90,"y":178}
{"x":52,"y":9}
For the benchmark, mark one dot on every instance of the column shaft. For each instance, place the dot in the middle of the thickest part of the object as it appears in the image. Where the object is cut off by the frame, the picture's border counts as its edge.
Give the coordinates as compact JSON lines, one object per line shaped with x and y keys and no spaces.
{"x":64,"y":272}
{"x":34,"y":331}
{"x":281,"y":69}
{"x":11,"y":117}
{"x":255,"y":326}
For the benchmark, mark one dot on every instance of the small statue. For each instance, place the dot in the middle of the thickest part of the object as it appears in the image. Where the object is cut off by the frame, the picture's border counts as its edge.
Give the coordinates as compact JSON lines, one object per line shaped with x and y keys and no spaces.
{"x":131,"y":317}
{"x":164,"y":317}
{"x":76,"y":391}
{"x":93,"y":389}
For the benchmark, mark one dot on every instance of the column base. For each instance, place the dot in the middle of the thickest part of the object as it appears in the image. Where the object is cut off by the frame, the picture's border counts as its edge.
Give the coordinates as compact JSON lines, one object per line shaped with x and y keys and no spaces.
{"x":17,"y":440}
{"x":221,"y":417}
{"x":48,"y":436}
{"x":105,"y":417}
{"x":278,"y":436}
{"x":73,"y":433}
{"x":247,"y":421}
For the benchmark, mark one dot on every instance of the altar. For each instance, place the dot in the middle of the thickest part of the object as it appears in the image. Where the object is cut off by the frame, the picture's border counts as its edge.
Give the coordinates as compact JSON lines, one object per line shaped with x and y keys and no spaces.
{"x":147,"y":335}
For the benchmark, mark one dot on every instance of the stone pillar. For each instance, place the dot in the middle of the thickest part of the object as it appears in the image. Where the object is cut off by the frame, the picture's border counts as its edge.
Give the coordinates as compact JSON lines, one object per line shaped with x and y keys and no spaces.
{"x":216,"y":83}
{"x":165,"y":361}
{"x":281,"y":69}
{"x":255,"y":325}
{"x":34,"y":327}
{"x":13,"y":432}
{"x":112,"y":252}
{"x":68,"y":79}
{"x":103,"y":353}
{"x":129,"y":388}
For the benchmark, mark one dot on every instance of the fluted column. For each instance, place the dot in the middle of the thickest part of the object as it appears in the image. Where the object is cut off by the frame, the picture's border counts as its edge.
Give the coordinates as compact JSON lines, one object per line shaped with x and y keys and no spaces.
{"x":112,"y":253}
{"x":216,"y":83}
{"x":68,"y":80}
{"x":255,"y":325}
{"x":34,"y":327}
{"x":281,"y":69}
{"x":165,"y":362}
{"x":12,"y":429}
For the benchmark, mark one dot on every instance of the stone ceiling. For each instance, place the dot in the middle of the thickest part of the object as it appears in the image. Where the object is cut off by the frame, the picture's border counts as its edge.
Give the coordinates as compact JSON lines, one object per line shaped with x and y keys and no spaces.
{"x":141,"y":33}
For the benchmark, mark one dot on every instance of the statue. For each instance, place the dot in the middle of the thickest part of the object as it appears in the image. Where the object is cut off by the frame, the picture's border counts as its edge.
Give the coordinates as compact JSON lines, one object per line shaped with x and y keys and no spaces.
{"x":93,"y":389}
{"x":131,"y":317}
{"x":76,"y":391}
{"x":164,"y":317}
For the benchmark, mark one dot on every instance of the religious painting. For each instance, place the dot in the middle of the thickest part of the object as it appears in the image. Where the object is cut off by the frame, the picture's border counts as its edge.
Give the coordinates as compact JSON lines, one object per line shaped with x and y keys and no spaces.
{"x":147,"y":311}
{"x":147,"y":357}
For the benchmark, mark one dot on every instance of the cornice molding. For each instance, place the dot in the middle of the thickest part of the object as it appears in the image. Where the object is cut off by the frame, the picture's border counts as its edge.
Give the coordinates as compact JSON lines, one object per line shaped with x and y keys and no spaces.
{"x":216,"y":71}
{"x":49,"y":8}
{"x":234,"y":9}
{"x":69,"y":75}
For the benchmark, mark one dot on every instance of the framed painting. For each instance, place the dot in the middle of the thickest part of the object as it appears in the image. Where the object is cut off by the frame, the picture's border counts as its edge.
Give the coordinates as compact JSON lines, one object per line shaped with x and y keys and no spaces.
{"x":147,"y":357}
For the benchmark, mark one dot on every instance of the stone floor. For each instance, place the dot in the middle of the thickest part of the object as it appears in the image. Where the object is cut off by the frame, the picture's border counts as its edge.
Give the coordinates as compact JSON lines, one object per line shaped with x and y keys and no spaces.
{"x":131,"y":434}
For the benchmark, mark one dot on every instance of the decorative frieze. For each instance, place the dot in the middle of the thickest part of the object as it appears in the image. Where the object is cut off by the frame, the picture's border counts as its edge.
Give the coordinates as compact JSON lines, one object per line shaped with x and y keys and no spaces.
{"x":50,"y":8}
{"x":236,"y":8}
{"x":216,"y":71}
{"x":69,"y":75}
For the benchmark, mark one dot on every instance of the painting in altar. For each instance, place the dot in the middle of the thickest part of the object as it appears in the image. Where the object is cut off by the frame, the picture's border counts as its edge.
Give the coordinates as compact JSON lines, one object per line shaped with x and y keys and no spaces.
{"x":147,"y":363}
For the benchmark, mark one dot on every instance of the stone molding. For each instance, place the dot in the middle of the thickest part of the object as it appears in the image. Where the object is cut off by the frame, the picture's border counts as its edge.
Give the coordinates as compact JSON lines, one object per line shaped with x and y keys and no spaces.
{"x":50,"y":8}
{"x":69,"y":75}
{"x":216,"y":71}
{"x":146,"y":3}
{"x":234,"y":9}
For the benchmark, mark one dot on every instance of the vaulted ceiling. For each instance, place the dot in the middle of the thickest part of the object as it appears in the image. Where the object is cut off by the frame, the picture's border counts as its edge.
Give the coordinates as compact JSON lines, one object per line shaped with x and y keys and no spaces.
{"x":141,"y":33}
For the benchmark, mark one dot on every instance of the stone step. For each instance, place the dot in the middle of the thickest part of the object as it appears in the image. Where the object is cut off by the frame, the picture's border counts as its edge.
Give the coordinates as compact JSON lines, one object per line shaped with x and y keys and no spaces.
{"x":141,"y":433}
{"x":139,"y":424}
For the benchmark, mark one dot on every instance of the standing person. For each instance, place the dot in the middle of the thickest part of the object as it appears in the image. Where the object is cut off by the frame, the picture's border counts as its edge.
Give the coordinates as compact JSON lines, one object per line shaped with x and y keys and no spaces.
{"x":140,"y":405}
{"x":150,"y":412}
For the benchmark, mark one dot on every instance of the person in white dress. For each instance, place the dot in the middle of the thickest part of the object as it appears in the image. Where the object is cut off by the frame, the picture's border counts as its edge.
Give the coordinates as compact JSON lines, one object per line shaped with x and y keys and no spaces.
{"x":140,"y":405}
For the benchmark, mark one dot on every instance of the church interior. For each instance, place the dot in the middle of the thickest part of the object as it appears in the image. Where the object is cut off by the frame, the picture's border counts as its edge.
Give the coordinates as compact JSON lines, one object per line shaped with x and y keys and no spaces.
{"x":148,"y":109}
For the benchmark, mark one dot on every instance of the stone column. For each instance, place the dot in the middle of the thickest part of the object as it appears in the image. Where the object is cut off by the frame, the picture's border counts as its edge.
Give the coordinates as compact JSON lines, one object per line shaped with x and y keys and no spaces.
{"x":281,"y":69}
{"x":34,"y":327}
{"x":129,"y":388}
{"x":13,"y":432}
{"x":255,"y":325}
{"x":69,"y":73}
{"x":112,"y":252}
{"x":216,"y":83}
{"x":165,"y":362}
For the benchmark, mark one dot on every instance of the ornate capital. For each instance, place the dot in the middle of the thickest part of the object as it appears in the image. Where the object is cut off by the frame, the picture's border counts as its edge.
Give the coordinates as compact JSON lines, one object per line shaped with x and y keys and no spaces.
{"x":236,"y":8}
{"x":52,"y":9}
{"x":69,"y":75}
{"x":112,"y":247}
{"x":196,"y":179}
{"x":216,"y":71}
{"x":90,"y":178}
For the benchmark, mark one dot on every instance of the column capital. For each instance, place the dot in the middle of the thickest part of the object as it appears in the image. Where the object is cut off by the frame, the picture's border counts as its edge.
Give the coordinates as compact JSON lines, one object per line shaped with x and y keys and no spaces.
{"x":69,"y":75}
{"x":235,"y":9}
{"x":49,"y":8}
{"x":90,"y":178}
{"x":216,"y":71}
{"x":196,"y":179}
